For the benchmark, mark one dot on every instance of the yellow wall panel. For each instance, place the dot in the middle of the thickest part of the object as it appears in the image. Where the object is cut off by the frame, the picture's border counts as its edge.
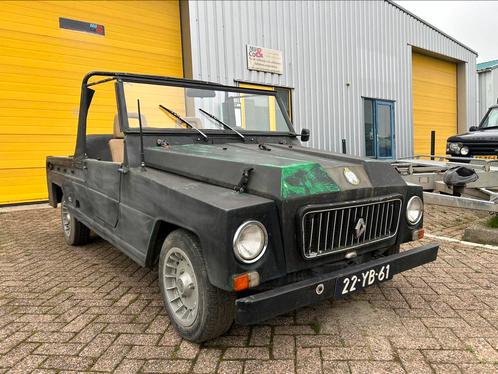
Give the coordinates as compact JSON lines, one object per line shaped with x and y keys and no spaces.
{"x":434,"y":91}
{"x":41,"y":68}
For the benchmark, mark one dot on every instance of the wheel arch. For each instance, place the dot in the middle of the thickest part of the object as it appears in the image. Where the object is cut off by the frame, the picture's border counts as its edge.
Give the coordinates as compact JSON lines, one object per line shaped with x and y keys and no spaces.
{"x":162,"y":228}
{"x":55,"y":194}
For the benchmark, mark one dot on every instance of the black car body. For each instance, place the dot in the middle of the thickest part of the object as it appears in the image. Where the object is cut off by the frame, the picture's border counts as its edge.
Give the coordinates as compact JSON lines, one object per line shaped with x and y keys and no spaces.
{"x":480,"y":141}
{"x":324,"y":219}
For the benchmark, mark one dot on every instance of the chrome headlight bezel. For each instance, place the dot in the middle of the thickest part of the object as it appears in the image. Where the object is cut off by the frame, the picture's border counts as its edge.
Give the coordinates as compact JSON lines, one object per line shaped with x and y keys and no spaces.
{"x":464,"y":151}
{"x":414,"y":200}
{"x":262,"y":246}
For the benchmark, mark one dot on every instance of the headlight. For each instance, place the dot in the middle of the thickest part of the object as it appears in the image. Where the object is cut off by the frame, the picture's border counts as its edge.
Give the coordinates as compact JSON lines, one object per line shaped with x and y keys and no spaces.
{"x":250,"y":241}
{"x":464,"y":151}
{"x":414,"y":210}
{"x":454,"y":147}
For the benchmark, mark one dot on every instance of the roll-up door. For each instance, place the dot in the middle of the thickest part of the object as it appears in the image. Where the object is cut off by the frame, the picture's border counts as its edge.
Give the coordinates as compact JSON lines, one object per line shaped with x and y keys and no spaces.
{"x":47,"y":48}
{"x":434,"y":102}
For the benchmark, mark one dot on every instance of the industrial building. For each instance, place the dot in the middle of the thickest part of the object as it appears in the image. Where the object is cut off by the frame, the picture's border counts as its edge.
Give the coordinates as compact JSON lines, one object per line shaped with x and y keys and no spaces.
{"x":487,"y":73}
{"x":369,"y":72}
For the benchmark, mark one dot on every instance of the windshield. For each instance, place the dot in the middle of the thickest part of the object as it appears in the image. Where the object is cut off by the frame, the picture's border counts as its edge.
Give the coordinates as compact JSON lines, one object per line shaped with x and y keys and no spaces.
{"x":167,"y":107}
{"x":491,"y":120}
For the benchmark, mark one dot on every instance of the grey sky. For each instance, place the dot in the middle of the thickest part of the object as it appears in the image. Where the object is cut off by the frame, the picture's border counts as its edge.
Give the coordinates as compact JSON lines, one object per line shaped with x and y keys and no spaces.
{"x":474,"y":23}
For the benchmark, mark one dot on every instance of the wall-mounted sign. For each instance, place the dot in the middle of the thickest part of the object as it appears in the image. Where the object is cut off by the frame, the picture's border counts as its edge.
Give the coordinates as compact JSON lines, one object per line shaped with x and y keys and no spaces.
{"x":265,"y":59}
{"x":71,"y":24}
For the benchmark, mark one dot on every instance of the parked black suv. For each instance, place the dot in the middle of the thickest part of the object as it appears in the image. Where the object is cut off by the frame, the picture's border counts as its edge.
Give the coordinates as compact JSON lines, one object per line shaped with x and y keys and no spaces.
{"x":480,"y":141}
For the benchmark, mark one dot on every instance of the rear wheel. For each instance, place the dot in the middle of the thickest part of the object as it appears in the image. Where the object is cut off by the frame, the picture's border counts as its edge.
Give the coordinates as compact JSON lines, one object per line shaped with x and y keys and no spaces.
{"x":198,"y":310}
{"x":75,"y":233}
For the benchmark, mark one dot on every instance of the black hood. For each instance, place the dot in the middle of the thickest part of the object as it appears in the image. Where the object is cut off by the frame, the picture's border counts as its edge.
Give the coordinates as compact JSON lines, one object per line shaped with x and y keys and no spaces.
{"x":484,"y":136}
{"x":277,"y":171}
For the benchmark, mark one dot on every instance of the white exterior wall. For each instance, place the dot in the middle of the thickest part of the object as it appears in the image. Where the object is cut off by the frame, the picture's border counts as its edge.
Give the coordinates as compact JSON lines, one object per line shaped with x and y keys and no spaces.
{"x":488,"y":90}
{"x":325,"y":45}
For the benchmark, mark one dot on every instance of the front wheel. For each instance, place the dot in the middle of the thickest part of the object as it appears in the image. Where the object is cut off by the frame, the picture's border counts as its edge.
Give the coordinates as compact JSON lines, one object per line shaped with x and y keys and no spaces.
{"x":75,"y":233}
{"x":198,"y":310}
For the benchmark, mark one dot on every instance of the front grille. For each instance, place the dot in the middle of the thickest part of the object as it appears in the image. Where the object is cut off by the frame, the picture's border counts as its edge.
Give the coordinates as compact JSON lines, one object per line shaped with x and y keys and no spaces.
{"x":332,"y":229}
{"x":483,"y":148}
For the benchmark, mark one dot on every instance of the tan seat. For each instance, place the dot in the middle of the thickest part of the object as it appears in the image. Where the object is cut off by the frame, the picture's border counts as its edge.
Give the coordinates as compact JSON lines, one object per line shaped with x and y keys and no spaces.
{"x":116,"y":145}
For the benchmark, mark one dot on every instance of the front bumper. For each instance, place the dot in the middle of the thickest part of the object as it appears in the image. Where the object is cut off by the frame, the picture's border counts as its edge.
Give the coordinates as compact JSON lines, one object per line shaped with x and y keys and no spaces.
{"x":268,"y":304}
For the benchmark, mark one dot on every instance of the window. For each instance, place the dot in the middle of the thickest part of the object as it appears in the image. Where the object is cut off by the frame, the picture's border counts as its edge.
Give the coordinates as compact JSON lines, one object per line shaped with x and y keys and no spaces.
{"x":379,"y":128}
{"x":285,"y":96}
{"x":103,"y":110}
{"x":491,"y":120}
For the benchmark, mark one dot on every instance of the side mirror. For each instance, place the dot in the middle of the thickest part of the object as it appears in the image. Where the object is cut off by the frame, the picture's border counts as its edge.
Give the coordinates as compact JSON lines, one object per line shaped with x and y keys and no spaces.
{"x":305,"y":135}
{"x":473,"y":128}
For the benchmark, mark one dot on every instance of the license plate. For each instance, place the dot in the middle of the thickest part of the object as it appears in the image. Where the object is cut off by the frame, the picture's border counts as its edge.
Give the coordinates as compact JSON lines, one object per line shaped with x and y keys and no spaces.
{"x":487,"y":157}
{"x":362,"y":279}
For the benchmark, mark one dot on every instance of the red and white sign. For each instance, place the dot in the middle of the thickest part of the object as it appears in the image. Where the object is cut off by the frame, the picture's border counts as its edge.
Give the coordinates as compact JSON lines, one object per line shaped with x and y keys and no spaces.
{"x":265,"y":59}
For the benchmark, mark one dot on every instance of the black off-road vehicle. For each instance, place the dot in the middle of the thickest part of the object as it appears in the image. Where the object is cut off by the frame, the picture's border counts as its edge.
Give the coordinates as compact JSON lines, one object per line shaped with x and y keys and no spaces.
{"x":480,"y":141}
{"x":212,"y":183}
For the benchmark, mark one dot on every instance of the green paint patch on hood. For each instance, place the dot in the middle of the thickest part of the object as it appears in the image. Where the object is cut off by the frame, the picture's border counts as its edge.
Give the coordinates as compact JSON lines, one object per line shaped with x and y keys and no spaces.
{"x":298,"y":177}
{"x":303,"y":179}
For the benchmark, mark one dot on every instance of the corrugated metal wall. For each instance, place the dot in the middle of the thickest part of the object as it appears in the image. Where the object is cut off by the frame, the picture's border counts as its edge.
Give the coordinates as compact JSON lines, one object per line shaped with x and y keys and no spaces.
{"x":488,"y":90}
{"x":326,"y":45}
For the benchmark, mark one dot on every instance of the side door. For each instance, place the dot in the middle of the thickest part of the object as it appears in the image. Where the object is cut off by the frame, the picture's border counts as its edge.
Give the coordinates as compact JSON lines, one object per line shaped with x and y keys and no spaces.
{"x":379,"y":128}
{"x":102,"y":174}
{"x":102,"y":183}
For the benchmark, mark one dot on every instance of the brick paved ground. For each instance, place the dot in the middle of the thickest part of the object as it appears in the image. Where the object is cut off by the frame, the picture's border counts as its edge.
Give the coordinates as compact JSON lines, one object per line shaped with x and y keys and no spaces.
{"x":92,"y":309}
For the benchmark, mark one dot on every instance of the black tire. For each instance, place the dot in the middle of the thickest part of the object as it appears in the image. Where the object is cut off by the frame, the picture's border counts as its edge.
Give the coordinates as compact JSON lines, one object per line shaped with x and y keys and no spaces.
{"x":215,"y":307}
{"x":75,"y":233}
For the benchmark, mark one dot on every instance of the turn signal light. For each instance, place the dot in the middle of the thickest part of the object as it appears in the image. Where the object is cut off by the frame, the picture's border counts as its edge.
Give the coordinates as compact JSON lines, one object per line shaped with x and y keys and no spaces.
{"x":418,"y":234}
{"x":244,"y":281}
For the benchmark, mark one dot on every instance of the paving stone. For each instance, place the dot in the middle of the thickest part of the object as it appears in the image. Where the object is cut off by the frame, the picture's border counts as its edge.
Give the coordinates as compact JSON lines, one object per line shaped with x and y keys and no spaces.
{"x":413,"y":361}
{"x":67,"y":363}
{"x":255,"y":353}
{"x":63,"y":349}
{"x":283,"y":347}
{"x":110,"y":358}
{"x":167,"y":366}
{"x":98,"y":345}
{"x":137,"y":339}
{"x":129,"y":366}
{"x":269,"y":367}
{"x":207,"y":360}
{"x":308,"y":360}
{"x":231,"y":367}
{"x":346,"y":353}
{"x":411,"y":342}
{"x":446,"y":369}
{"x":450,"y":356}
{"x":377,"y":367}
{"x":260,"y":336}
{"x":335,"y":367}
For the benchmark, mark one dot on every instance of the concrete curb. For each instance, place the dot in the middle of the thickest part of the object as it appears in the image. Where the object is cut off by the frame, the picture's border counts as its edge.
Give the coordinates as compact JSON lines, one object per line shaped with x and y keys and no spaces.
{"x":480,"y":233}
{"x":20,"y":208}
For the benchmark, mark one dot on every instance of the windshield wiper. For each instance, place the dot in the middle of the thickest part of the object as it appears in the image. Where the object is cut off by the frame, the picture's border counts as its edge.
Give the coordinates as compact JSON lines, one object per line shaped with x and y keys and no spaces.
{"x":183,"y":120}
{"x":223,"y":123}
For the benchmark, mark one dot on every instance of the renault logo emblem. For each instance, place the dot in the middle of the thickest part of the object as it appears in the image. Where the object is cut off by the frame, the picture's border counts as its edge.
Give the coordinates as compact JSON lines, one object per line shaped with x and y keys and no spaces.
{"x":360,"y":227}
{"x":351,"y":177}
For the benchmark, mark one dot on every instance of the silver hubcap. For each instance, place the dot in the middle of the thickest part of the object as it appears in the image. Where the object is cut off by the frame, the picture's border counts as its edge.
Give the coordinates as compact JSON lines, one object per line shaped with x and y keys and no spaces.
{"x":66,"y":219}
{"x":180,"y":283}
